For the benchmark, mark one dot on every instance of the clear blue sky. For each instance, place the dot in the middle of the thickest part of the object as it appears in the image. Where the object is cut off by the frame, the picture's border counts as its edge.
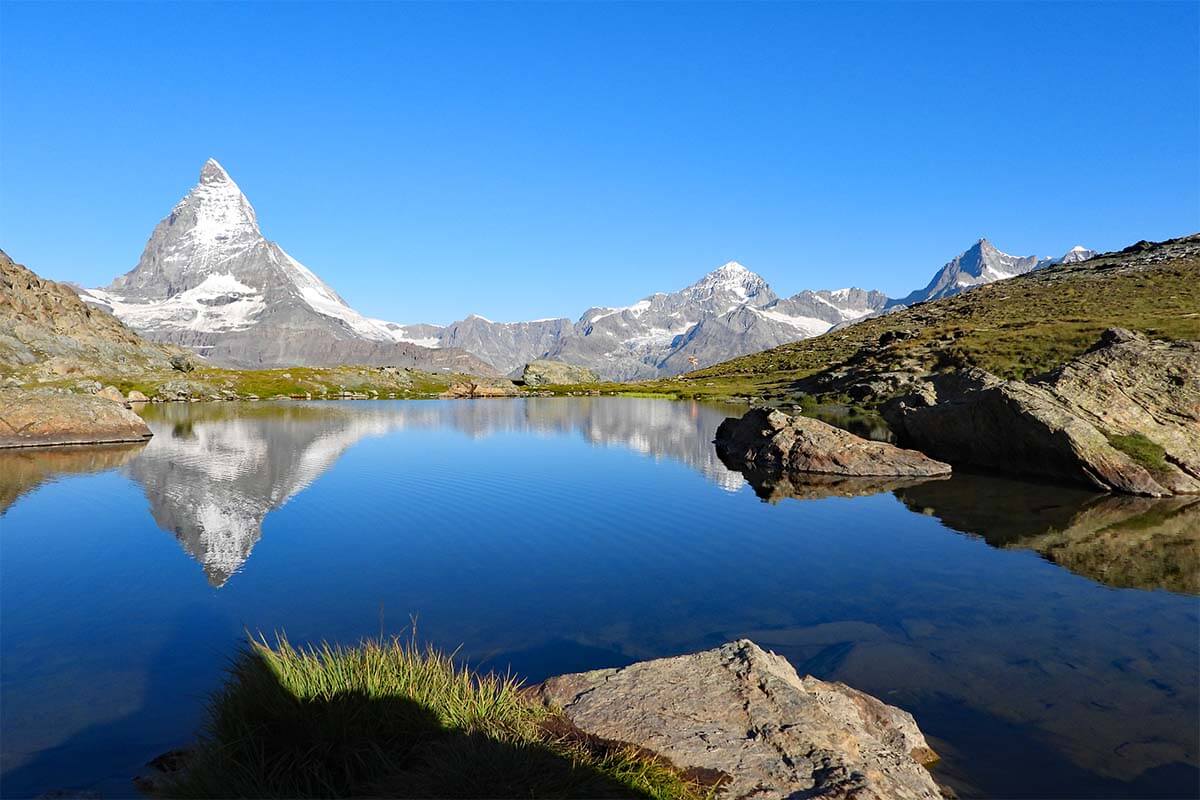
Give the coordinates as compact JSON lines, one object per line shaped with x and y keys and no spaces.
{"x":524,"y":161}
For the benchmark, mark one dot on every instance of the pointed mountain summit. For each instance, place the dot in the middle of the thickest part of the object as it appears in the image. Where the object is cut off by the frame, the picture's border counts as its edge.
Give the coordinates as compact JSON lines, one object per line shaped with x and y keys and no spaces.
{"x":982,"y":263}
{"x":208,"y":279}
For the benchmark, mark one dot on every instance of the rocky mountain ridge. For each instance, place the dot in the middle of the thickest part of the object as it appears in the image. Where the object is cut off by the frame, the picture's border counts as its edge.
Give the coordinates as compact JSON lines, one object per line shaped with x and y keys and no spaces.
{"x":209,"y":280}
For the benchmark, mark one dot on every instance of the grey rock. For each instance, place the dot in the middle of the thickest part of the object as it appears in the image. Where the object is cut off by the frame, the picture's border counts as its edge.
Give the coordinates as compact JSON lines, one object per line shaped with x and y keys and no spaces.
{"x":1061,"y":426}
{"x":744,"y":712}
{"x":766,"y":439}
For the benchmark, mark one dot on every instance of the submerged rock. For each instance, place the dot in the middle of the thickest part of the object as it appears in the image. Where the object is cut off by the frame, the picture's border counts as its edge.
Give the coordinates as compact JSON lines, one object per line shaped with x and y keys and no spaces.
{"x":1124,"y":416}
{"x":544,"y":372}
{"x":744,"y":712}
{"x":766,"y":439}
{"x":35,"y":419}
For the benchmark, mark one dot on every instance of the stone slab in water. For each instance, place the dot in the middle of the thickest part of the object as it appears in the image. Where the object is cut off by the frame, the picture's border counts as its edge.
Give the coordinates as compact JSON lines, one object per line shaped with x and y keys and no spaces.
{"x":744,"y":711}
{"x":43,"y":418}
{"x":769,"y":439}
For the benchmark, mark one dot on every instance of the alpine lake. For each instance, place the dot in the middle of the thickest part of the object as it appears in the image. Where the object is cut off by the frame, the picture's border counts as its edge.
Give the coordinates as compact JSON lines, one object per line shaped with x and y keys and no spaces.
{"x":1046,"y":639}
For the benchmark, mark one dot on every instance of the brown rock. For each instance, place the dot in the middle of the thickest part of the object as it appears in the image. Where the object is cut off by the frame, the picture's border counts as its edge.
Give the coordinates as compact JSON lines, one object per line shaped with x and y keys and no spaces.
{"x":765,"y":439}
{"x":137,"y":397}
{"x":33,"y":419}
{"x":744,"y":712}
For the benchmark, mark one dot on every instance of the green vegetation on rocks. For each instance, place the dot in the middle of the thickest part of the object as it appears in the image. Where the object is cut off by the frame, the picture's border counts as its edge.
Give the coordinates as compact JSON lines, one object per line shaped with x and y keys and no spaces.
{"x":390,"y":718}
{"x":1145,"y":452}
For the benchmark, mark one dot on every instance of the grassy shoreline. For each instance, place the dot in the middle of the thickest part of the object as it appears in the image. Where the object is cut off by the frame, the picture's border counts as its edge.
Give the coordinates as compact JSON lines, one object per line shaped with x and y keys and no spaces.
{"x":390,"y":718}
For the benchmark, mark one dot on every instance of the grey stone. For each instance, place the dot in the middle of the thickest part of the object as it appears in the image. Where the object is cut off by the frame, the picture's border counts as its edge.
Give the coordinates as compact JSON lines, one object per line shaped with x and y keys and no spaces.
{"x":744,"y":712}
{"x":766,"y":439}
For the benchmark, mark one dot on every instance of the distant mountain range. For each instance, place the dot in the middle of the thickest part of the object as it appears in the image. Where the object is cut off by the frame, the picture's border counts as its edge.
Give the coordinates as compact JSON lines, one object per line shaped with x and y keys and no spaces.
{"x":208,"y":279}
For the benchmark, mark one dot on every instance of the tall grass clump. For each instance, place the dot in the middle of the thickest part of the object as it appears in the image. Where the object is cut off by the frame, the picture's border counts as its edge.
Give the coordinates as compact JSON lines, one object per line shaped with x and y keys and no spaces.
{"x":390,"y":718}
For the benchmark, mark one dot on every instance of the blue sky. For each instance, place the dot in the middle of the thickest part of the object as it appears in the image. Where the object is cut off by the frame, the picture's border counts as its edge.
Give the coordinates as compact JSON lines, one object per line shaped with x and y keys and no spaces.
{"x":525,"y":161}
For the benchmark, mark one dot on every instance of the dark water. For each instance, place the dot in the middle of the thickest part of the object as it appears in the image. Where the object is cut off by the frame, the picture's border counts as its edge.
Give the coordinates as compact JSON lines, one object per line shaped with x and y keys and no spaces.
{"x":1045,"y":639}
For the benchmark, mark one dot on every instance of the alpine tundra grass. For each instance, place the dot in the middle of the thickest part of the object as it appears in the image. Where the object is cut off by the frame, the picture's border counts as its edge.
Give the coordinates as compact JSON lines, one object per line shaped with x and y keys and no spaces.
{"x":390,"y":718}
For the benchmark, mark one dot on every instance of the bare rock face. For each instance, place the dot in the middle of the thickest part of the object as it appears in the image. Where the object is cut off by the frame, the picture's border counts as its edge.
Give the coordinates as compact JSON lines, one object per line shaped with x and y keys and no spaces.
{"x":544,"y":372}
{"x":766,"y":439}
{"x":1070,"y":425}
{"x":744,"y":712}
{"x":481,"y":388}
{"x":33,"y":419}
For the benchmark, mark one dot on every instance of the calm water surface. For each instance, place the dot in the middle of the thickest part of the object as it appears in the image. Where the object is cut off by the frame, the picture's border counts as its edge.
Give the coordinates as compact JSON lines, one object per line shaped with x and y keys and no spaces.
{"x":1045,"y":639}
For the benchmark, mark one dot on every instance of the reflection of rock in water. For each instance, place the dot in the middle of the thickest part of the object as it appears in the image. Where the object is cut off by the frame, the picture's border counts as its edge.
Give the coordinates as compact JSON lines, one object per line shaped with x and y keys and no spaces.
{"x":213,"y":472}
{"x":22,"y":471}
{"x":1124,"y":541}
{"x":774,"y":485}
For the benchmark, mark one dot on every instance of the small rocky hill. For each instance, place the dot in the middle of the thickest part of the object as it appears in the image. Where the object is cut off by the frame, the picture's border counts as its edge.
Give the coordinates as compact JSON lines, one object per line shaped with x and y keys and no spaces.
{"x":47,"y":331}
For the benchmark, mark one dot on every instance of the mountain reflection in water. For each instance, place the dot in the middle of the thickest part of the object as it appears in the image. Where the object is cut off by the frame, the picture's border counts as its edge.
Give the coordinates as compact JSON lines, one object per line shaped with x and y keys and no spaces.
{"x":213,"y":472}
{"x":498,"y":524}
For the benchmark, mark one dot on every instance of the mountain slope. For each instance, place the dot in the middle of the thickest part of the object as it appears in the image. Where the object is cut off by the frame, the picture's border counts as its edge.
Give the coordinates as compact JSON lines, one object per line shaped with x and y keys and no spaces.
{"x":47,"y":330}
{"x":1013,"y":328}
{"x":209,"y":280}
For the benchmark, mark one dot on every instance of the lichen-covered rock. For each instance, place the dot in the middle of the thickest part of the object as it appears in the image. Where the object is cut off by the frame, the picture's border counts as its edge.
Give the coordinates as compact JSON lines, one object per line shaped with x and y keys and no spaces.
{"x":744,"y":712}
{"x":33,"y":419}
{"x":544,"y":372}
{"x":1063,"y":427}
{"x":766,"y":439}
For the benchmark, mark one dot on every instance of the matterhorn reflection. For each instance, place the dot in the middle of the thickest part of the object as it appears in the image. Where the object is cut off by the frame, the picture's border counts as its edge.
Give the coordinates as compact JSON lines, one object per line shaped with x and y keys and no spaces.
{"x":213,"y":472}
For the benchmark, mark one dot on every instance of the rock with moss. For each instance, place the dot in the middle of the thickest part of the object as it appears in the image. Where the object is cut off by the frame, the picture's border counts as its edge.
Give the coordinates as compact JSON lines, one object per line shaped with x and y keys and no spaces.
{"x":1123,"y":416}
{"x":769,"y":440}
{"x":744,"y":713}
{"x":42,"y":418}
{"x":544,"y":372}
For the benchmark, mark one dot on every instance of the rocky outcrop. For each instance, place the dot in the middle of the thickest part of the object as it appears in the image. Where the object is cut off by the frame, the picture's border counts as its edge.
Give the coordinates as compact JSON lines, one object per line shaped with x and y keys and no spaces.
{"x":469,"y":389}
{"x":34,"y":419}
{"x":1124,"y":416}
{"x":744,"y":712}
{"x":47,"y":331}
{"x":543,"y":372}
{"x":766,"y":439}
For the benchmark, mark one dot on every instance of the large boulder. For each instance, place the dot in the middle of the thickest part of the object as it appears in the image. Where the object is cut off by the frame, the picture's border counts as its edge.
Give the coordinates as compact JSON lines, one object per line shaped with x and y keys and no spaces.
{"x":744,"y":712}
{"x":32,"y":419}
{"x":1124,"y":416}
{"x":544,"y":372}
{"x":767,"y":439}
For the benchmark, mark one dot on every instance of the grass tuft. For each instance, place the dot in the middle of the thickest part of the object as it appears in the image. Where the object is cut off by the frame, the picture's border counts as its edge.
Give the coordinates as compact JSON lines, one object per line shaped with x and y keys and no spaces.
{"x":1144,"y":451}
{"x":390,"y":718}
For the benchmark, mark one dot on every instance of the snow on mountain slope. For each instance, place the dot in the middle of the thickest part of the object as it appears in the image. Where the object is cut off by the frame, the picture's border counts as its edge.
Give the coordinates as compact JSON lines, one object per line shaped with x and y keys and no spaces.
{"x":208,"y":279}
{"x":979,"y":264}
